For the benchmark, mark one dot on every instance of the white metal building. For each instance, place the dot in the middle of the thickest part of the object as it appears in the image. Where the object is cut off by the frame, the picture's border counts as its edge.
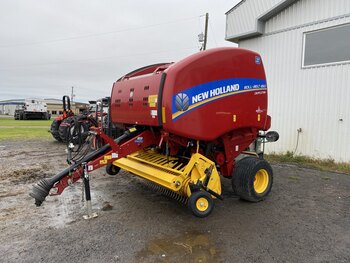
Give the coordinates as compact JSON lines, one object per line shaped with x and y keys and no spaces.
{"x":305,"y":47}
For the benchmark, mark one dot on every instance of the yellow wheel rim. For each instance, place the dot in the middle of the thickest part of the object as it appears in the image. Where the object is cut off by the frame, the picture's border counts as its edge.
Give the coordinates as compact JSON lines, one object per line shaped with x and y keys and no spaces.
{"x":261,"y":181}
{"x":202,"y":204}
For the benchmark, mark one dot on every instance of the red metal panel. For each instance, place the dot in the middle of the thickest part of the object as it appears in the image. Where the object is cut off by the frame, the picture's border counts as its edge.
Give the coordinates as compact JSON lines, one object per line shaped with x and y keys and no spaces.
{"x":225,"y":89}
{"x":133,"y":100}
{"x":204,"y":96}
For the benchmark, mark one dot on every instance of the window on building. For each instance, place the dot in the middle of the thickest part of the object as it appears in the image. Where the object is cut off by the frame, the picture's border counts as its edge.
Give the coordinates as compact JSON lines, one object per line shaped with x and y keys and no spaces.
{"x":61,"y":112}
{"x":54,"y":112}
{"x":327,"y":46}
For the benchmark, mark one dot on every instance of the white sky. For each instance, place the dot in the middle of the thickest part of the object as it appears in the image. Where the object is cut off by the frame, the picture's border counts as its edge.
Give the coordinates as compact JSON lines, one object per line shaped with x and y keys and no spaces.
{"x":48,"y":46}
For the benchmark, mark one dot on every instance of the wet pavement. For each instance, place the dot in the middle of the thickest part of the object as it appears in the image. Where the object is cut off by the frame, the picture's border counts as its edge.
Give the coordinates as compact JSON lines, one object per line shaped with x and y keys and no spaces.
{"x":305,"y":219}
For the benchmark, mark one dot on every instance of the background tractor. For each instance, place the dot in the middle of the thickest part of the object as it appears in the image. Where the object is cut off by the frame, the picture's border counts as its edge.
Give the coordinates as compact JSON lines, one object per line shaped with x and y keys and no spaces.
{"x":67,"y":113}
{"x":64,"y":126}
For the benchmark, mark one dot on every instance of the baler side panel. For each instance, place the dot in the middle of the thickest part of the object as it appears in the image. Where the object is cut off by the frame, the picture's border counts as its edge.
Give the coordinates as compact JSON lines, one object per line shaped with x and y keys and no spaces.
{"x":134,"y":100}
{"x":214,"y":92}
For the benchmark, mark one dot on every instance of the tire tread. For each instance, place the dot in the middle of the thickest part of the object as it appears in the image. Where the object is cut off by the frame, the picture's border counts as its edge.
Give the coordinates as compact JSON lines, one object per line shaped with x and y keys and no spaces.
{"x":243,"y":178}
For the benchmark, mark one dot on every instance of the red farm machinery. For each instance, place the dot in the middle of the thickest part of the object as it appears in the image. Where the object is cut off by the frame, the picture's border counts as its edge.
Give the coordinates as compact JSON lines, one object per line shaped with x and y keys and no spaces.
{"x":184,"y":126}
{"x":64,"y":125}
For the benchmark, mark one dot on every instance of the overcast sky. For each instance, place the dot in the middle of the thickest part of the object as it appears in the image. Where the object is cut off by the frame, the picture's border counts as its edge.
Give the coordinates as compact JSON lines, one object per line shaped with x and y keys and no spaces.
{"x":48,"y":46}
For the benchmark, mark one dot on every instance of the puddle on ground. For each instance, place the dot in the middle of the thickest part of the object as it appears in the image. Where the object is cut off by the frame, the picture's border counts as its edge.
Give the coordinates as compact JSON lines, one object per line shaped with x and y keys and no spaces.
{"x":190,"y":247}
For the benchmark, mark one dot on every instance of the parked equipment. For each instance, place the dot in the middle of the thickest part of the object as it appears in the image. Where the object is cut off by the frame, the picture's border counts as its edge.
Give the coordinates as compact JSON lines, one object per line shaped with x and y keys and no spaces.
{"x":63,"y":127}
{"x":180,"y":125}
{"x":67,"y":112}
{"x":32,"y":109}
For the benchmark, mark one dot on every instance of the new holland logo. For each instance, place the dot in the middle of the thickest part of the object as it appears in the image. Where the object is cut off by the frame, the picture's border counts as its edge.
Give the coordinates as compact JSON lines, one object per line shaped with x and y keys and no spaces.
{"x":257,"y":60}
{"x":182,"y":102}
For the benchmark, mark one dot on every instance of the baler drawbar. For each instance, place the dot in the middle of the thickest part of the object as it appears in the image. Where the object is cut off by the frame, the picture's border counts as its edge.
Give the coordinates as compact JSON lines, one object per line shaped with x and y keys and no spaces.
{"x":182,"y":125}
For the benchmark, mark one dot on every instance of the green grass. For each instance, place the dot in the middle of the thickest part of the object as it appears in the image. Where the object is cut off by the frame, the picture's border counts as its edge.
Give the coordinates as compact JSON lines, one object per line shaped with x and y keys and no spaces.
{"x":18,"y":123}
{"x":24,"y":133}
{"x":324,"y":165}
{"x":24,"y":129}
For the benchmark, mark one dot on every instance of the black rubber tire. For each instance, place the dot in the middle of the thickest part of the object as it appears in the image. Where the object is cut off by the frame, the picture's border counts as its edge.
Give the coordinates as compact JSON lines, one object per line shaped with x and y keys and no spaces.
{"x":65,"y":128}
{"x":54,"y":130}
{"x":192,"y":203}
{"x":112,"y":169}
{"x":244,"y":175}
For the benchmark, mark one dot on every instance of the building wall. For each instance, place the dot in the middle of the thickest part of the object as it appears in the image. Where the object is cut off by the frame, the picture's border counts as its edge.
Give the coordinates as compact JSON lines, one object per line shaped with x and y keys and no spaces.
{"x":249,"y":15}
{"x":54,"y":109}
{"x":57,"y":108}
{"x":307,"y":12}
{"x":315,"y":99}
{"x":8,"y":109}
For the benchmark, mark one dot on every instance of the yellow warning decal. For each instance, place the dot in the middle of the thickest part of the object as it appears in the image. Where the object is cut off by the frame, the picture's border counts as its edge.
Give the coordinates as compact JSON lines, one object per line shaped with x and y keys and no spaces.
{"x":133,"y":129}
{"x":152,"y":100}
{"x":234,"y":118}
{"x":107,"y":157}
{"x":258,"y":117}
{"x":163,"y":115}
{"x":103,"y":161}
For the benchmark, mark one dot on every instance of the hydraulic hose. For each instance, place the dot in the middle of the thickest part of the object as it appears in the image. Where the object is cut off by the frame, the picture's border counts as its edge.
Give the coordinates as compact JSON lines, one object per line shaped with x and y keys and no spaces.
{"x":42,"y":189}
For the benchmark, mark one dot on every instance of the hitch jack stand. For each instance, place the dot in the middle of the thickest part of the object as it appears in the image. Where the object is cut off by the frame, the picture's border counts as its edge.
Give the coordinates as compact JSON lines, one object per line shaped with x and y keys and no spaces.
{"x":86,"y":179}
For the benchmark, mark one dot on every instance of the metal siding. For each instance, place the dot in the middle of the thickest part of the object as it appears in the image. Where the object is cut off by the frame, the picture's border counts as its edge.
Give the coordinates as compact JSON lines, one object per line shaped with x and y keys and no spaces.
{"x":243,"y":19}
{"x":313,"y":99}
{"x":307,"y":11}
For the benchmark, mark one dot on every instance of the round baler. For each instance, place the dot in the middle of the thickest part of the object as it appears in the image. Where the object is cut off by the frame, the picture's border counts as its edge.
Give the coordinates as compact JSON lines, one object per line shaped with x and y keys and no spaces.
{"x":183,"y":124}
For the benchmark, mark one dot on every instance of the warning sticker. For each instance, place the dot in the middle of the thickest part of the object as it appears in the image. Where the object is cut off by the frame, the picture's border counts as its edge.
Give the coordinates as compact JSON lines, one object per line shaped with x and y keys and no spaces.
{"x":152,"y":100}
{"x":103,"y":161}
{"x":108,"y":157}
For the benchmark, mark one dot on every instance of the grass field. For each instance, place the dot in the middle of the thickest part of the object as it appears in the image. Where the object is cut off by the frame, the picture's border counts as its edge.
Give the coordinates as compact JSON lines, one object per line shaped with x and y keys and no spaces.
{"x":19,"y":123}
{"x":24,"y":129}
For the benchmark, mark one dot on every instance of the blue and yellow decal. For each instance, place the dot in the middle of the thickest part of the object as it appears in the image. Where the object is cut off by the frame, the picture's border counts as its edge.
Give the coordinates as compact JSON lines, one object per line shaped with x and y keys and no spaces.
{"x":194,"y":97}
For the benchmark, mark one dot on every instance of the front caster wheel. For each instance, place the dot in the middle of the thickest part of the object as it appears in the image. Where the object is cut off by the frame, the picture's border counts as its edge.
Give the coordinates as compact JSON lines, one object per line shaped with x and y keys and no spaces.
{"x":112,"y":169}
{"x":200,"y":203}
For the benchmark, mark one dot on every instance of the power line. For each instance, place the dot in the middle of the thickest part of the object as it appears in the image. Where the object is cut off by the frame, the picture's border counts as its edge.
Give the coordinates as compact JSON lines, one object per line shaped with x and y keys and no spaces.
{"x":97,"y":34}
{"x":96,"y":58}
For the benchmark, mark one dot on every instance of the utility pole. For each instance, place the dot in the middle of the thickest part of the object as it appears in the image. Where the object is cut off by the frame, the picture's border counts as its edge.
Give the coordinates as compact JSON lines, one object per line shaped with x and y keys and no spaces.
{"x":72,"y":95}
{"x":206,"y":31}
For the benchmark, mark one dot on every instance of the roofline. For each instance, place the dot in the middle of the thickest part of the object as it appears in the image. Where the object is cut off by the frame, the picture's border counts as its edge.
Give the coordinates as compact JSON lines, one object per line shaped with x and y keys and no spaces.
{"x":236,"y":38}
{"x":233,"y":8}
{"x":58,"y":101}
{"x":260,"y":21}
